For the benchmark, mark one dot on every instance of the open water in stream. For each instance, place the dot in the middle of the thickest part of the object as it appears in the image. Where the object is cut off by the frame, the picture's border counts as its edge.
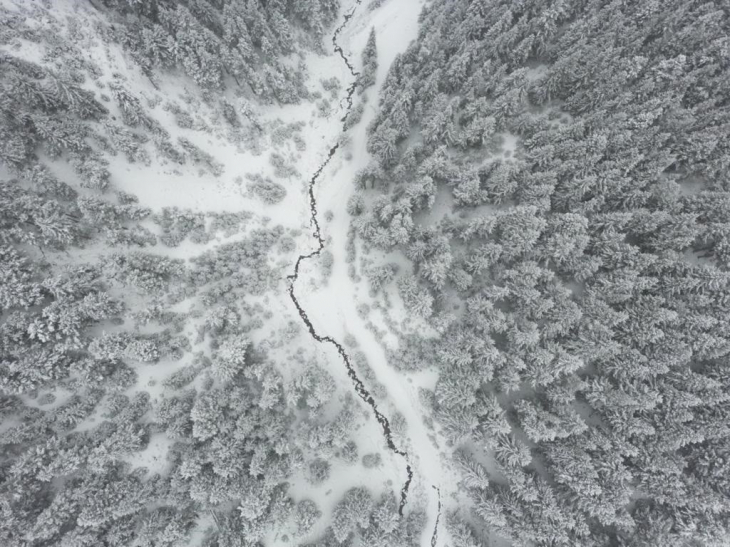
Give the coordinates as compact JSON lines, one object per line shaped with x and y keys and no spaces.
{"x":360,"y":388}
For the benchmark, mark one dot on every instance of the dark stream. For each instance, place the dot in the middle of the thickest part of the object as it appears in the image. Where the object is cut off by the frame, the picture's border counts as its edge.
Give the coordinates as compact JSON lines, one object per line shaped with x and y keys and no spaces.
{"x":434,"y":537}
{"x":360,"y":388}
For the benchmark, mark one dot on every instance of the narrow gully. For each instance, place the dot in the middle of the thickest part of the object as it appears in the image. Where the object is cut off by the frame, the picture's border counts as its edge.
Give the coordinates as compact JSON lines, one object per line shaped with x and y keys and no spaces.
{"x":360,"y":388}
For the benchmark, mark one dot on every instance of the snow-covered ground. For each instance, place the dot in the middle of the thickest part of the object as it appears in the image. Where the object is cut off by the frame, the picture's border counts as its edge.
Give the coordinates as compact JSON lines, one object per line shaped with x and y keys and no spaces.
{"x":333,"y":308}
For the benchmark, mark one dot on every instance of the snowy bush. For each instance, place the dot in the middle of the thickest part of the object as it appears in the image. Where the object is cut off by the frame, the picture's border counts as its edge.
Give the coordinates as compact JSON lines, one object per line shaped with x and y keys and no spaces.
{"x":282,"y":168}
{"x":222,"y":319}
{"x":318,"y":471}
{"x":177,"y":224}
{"x":332,"y":85}
{"x":354,"y":116}
{"x":230,"y":114}
{"x":281,"y":132}
{"x":312,"y":389}
{"x":369,"y":63}
{"x":242,"y":263}
{"x":183,"y":118}
{"x":378,"y":276}
{"x":129,"y":143}
{"x":150,"y":273}
{"x":143,"y":348}
{"x":168,"y":150}
{"x":200,"y":157}
{"x":349,"y":452}
{"x":417,"y":298}
{"x":306,"y":515}
{"x":370,"y":461}
{"x":355,"y":205}
{"x":267,"y":190}
{"x":114,"y":404}
{"x":93,"y":170}
{"x":287,"y":245}
{"x":230,"y":358}
{"x":351,"y":513}
{"x":181,"y":378}
{"x":46,"y":399}
{"x":324,"y":108}
{"x":18,"y":288}
{"x":132,"y":110}
{"x":103,"y":214}
{"x":299,"y":143}
{"x":326,"y":262}
{"x":229,"y":223}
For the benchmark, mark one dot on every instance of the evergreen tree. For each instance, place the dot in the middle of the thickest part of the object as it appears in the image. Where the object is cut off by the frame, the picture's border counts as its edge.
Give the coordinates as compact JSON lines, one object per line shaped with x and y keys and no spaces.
{"x":351,"y":513}
{"x":369,"y":69}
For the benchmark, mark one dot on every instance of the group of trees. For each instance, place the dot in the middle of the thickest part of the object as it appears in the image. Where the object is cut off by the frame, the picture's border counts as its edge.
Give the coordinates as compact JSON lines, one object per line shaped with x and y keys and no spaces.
{"x":97,"y":371}
{"x":73,"y":412}
{"x":374,"y":524}
{"x":243,"y":40}
{"x":369,"y":69}
{"x":65,"y":485}
{"x":588,"y":361}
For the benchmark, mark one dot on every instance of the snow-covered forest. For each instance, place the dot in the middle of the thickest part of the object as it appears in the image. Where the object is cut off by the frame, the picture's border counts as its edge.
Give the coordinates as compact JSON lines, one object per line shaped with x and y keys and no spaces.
{"x":378,"y":273}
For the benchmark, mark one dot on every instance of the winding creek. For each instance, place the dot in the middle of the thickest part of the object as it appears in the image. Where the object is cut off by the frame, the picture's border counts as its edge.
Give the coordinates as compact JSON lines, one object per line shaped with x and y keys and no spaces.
{"x":434,"y":537}
{"x":360,"y":388}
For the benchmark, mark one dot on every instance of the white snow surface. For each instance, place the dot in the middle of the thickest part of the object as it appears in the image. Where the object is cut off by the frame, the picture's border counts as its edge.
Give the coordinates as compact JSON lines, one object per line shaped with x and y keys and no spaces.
{"x":333,"y":308}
